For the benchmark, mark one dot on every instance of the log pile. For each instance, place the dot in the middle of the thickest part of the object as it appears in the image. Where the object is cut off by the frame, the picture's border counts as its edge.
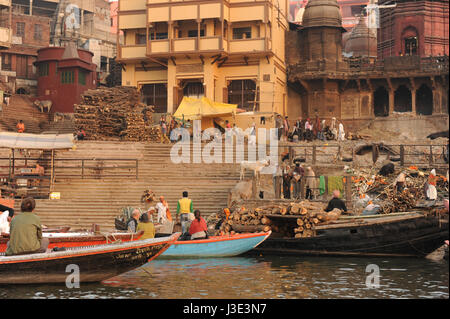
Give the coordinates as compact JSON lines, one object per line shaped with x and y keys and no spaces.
{"x":264,"y":218}
{"x":115,"y":113}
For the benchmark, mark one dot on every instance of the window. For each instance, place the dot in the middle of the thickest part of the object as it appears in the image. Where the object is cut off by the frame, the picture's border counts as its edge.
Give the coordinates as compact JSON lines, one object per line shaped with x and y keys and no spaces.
{"x":103,"y":64}
{"x":243,"y":93}
{"x":140,"y":39}
{"x":43,"y":69}
{"x":156,"y":95}
{"x":193,"y":33}
{"x":67,"y":77}
{"x":38,"y":32}
{"x":82,"y":77}
{"x":6,"y":62}
{"x":357,"y":10}
{"x":159,"y":36}
{"x":20,"y":29}
{"x":411,"y":46}
{"x":242,"y":33}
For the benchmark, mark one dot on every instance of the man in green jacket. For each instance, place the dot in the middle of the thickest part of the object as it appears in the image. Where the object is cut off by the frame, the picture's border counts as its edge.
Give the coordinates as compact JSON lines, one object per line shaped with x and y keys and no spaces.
{"x":26,"y":232}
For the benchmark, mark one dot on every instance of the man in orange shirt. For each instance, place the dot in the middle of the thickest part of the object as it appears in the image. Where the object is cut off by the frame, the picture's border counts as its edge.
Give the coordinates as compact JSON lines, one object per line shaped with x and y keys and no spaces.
{"x":198,"y":229}
{"x":20,"y":127}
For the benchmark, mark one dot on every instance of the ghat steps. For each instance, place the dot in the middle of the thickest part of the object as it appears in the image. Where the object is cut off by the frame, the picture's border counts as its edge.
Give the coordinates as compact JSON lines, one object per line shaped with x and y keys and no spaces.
{"x":21,"y":108}
{"x":97,"y":199}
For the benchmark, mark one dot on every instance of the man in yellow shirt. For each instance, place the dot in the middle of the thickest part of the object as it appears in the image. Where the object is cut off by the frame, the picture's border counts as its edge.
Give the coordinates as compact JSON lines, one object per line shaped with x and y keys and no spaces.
{"x":184,"y":207}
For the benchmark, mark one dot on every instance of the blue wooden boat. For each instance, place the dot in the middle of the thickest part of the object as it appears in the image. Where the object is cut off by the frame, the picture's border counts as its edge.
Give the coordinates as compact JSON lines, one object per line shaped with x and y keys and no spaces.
{"x":215,"y":246}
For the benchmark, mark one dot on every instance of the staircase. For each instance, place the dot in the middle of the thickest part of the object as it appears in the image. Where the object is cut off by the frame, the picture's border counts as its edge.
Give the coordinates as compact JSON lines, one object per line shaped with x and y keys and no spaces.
{"x":98,"y":200}
{"x":21,"y":108}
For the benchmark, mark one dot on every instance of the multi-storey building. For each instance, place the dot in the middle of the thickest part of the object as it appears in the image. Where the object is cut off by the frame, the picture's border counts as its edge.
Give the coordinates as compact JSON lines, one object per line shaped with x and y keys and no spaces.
{"x":5,"y":24}
{"x":87,"y":22}
{"x":28,"y":34}
{"x":230,"y":51}
{"x":414,"y":28}
{"x":401,"y":92}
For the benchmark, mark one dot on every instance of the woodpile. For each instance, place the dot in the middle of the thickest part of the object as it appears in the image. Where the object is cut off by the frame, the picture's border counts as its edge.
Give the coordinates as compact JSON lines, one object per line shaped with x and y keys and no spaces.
{"x":115,"y":113}
{"x":394,"y":202}
{"x":279,"y":218}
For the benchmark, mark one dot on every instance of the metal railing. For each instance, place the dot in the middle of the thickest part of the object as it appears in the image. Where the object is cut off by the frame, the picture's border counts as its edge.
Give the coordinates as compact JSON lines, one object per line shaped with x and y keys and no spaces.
{"x":404,"y":154}
{"x":72,"y":167}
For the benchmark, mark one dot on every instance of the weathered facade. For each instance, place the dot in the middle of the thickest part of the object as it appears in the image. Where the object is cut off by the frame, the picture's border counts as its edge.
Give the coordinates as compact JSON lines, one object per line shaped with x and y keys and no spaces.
{"x":230,"y":51}
{"x":64,"y":73}
{"x":5,"y":24}
{"x":359,"y":89}
{"x":29,"y":33}
{"x":86,"y":22}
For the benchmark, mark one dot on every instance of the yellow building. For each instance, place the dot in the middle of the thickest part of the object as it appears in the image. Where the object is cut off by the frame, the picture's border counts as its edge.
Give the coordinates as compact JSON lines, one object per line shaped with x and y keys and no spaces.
{"x":230,"y":51}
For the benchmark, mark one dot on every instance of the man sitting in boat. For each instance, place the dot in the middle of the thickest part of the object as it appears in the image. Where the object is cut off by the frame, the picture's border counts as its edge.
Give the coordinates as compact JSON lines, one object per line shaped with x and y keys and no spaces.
{"x":336,"y":202}
{"x":147,"y":226}
{"x":26,"y":232}
{"x":133,"y":222}
{"x":198,"y":229}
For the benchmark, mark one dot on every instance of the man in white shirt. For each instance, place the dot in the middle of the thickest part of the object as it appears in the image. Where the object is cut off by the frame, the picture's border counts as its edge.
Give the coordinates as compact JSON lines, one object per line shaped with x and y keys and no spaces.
{"x":162,"y":211}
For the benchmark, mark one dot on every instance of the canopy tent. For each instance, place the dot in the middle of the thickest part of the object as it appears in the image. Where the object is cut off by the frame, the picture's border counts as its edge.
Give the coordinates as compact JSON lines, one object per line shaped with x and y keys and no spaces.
{"x":20,"y":141}
{"x":35,"y":141}
{"x":203,"y":109}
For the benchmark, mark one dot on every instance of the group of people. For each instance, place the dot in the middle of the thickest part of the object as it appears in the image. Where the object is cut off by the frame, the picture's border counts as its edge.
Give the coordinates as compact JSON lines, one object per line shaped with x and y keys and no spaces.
{"x":193,"y":226}
{"x":309,"y":130}
{"x":293,"y":180}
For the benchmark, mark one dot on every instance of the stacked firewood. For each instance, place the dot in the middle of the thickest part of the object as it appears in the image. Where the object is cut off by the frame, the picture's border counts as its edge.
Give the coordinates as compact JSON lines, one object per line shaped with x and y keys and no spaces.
{"x":394,"y":201}
{"x":265,"y":218}
{"x":116,"y":112}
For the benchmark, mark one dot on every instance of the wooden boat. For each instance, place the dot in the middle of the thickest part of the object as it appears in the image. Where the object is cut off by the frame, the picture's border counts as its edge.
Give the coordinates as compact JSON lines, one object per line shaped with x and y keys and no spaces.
{"x":95,"y":263}
{"x":216,"y":246}
{"x":79,"y":239}
{"x":56,"y":229}
{"x":403,"y":235}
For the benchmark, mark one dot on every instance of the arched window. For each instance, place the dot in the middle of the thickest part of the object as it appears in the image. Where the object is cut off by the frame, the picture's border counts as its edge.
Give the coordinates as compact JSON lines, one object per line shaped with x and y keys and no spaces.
{"x":402,"y":99}
{"x":424,"y":100}
{"x":410,"y":41}
{"x":381,"y":102}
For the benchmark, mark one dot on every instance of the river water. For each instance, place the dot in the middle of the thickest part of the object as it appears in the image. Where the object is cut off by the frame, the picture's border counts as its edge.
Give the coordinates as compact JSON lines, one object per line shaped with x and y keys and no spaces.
{"x":256,"y":277}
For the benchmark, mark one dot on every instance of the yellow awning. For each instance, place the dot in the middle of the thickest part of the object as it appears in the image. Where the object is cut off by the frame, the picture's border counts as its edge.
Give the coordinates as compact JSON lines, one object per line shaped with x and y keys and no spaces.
{"x":195,"y":109}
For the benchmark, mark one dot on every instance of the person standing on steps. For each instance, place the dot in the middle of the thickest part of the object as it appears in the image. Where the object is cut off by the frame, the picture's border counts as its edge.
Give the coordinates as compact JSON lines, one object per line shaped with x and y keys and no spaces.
{"x":184,"y":208}
{"x":20,"y":126}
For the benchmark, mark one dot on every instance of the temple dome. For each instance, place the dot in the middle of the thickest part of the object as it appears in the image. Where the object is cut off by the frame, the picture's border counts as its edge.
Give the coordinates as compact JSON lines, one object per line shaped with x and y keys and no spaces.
{"x":322,"y":13}
{"x":362,"y":41}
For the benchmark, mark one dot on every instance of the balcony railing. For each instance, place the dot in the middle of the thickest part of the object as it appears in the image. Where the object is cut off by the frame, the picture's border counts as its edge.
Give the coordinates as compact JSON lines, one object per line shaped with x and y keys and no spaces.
{"x":247,"y":45}
{"x":133,"y":51}
{"x":356,"y":65}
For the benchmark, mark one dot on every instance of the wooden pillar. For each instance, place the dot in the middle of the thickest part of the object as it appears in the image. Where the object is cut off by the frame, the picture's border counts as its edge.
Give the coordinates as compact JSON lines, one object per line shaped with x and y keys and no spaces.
{"x":402,"y":155}
{"x":197,"y":45}
{"x":52,"y":177}
{"x":348,"y":192}
{"x":170,"y":34}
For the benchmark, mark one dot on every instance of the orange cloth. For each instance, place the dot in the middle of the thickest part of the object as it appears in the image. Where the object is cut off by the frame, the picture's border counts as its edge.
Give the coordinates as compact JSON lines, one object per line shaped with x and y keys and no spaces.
{"x":20,"y":127}
{"x":432,"y":179}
